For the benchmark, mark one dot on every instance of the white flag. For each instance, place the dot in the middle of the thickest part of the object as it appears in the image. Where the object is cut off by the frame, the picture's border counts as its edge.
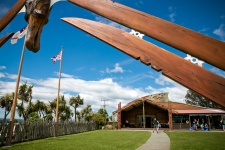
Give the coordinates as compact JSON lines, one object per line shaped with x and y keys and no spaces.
{"x":18,"y":35}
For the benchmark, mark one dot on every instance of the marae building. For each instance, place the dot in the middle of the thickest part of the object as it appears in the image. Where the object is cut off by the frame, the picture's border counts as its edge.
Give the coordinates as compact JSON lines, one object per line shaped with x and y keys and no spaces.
{"x":141,"y":112}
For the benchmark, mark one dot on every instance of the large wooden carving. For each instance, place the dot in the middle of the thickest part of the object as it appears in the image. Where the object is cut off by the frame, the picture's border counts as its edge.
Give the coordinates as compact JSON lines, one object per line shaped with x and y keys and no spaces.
{"x":190,"y":75}
{"x":8,"y":17}
{"x":203,"y":47}
{"x":37,"y":13}
{"x":5,"y":39}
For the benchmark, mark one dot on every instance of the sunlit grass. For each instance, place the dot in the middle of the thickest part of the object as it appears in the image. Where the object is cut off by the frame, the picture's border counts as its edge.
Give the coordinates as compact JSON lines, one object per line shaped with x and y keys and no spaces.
{"x":93,"y":140}
{"x":197,"y":140}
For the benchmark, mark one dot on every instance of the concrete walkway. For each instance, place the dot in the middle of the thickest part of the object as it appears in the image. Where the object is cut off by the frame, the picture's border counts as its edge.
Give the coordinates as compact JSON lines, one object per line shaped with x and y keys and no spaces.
{"x":157,"y":141}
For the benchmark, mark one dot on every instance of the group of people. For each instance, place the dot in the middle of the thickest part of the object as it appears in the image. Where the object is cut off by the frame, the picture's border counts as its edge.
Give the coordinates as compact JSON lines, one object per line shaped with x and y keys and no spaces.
{"x":203,"y":125}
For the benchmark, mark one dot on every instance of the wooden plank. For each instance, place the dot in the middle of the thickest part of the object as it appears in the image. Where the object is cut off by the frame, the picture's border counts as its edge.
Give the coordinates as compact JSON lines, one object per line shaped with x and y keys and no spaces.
{"x":178,"y":69}
{"x":8,"y":17}
{"x":203,"y":47}
{"x":4,"y":39}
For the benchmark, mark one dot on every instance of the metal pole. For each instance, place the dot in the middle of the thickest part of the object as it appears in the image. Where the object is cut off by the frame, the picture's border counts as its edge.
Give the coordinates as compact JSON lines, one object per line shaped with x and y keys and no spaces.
{"x":11,"y":122}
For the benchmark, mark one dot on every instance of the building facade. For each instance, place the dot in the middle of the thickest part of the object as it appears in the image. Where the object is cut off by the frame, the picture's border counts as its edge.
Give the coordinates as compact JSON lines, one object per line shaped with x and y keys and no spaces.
{"x":173,"y":115}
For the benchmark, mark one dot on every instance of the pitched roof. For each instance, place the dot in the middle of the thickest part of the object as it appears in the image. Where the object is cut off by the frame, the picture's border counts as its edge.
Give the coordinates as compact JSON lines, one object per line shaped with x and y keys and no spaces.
{"x":162,"y":101}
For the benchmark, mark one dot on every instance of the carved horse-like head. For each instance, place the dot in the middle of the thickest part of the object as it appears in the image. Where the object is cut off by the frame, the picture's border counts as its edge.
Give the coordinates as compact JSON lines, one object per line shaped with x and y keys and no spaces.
{"x":37,"y":13}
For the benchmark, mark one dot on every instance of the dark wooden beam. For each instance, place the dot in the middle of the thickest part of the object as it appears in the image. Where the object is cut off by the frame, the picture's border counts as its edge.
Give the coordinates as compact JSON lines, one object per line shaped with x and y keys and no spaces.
{"x":4,"y":39}
{"x":8,"y":17}
{"x":203,"y":47}
{"x":196,"y":78}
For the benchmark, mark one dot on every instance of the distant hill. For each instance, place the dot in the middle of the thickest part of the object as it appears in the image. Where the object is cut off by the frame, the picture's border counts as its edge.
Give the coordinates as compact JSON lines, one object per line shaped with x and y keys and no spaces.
{"x":7,"y":120}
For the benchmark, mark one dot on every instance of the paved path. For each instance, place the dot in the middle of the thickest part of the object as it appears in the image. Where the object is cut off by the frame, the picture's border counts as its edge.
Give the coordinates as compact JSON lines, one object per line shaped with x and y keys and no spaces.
{"x":157,"y":141}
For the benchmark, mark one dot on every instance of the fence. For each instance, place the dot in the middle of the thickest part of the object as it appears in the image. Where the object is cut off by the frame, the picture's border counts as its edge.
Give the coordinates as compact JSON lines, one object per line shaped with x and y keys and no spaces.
{"x":27,"y":131}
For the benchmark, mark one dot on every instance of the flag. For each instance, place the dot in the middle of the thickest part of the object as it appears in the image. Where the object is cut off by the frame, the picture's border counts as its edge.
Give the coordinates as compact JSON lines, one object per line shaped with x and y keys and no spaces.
{"x":18,"y":35}
{"x":57,"y":57}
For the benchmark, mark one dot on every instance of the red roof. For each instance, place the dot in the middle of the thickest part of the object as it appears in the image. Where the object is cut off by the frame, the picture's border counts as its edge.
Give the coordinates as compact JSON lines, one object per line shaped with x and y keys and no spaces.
{"x":161,"y":100}
{"x":201,"y":111}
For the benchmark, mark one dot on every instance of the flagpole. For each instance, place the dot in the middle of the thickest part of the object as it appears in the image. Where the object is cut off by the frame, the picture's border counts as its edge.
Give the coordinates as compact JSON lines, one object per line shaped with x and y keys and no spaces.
{"x":58,"y":96}
{"x":13,"y":109}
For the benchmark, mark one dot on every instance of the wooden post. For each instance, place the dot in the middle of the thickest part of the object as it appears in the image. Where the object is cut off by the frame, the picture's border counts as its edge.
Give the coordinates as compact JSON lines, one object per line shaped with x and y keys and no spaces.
{"x":58,"y":97}
{"x":170,"y":116}
{"x":119,"y":116}
{"x":13,"y":109}
{"x":144,"y":113}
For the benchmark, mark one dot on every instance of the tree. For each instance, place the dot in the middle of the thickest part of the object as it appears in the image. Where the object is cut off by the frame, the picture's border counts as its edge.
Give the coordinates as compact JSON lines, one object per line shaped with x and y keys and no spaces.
{"x":86,"y":113}
{"x":104,"y":114}
{"x":6,"y":102}
{"x":40,"y":108}
{"x":194,"y":98}
{"x":75,"y":102}
{"x":64,"y":110}
{"x":25,"y":95}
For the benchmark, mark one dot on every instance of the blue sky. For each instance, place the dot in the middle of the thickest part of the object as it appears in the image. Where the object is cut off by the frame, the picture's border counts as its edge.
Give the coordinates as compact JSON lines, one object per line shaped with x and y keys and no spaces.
{"x":94,"y":69}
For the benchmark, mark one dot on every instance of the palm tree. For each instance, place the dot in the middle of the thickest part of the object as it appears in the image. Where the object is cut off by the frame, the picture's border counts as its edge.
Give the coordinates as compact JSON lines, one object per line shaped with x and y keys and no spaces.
{"x":25,"y":95}
{"x":75,"y":102}
{"x":40,"y":107}
{"x":6,"y":102}
{"x":87,"y":113}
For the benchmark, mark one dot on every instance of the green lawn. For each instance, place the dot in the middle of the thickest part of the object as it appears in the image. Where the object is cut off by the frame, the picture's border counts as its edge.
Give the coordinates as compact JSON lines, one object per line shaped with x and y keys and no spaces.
{"x":197,"y":140}
{"x":93,"y":140}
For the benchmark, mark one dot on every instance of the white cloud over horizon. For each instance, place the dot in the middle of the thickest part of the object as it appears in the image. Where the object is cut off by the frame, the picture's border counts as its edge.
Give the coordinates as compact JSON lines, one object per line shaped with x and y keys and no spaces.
{"x":92,"y":91}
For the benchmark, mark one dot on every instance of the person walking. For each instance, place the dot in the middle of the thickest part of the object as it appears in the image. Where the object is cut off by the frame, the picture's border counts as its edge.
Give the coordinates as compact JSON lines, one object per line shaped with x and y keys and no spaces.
{"x":156,"y":125}
{"x":223,"y":123}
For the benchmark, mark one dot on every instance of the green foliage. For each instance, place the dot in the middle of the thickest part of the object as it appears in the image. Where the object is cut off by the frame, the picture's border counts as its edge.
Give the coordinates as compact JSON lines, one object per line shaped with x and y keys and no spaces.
{"x":25,"y":96}
{"x":6,"y":103}
{"x":75,"y":102}
{"x":94,"y":140}
{"x":115,"y":125}
{"x":99,"y":120}
{"x":86,"y":113}
{"x":194,"y":98}
{"x":196,"y":140}
{"x":34,"y":117}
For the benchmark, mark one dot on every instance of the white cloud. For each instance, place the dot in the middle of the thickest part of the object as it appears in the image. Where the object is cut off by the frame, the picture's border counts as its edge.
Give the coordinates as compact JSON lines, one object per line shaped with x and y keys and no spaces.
{"x":93,"y":91}
{"x":172,"y":14}
{"x":116,"y":69}
{"x":176,"y":91}
{"x":111,"y":23}
{"x":2,"y":67}
{"x":2,"y":75}
{"x":220,"y":32}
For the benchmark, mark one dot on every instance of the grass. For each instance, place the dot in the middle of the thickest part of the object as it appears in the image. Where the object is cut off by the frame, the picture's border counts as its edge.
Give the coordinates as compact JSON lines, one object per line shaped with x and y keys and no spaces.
{"x":197,"y":140}
{"x":93,"y":140}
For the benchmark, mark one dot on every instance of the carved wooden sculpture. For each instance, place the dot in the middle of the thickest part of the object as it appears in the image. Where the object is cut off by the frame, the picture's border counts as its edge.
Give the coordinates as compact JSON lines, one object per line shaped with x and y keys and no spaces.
{"x":203,"y":47}
{"x":8,"y":17}
{"x":37,"y":13}
{"x":190,"y":75}
{"x":5,"y":39}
